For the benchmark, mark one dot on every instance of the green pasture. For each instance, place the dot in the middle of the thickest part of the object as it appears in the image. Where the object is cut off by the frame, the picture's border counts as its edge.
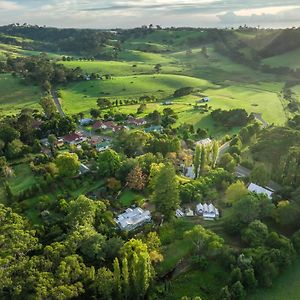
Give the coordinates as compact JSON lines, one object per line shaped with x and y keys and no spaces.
{"x":120,"y":68}
{"x":286,"y":286}
{"x":288,"y":59}
{"x":19,"y":51}
{"x":22,"y":179}
{"x":128,"y":198}
{"x":15,"y":95}
{"x":155,"y":58}
{"x":81,"y":96}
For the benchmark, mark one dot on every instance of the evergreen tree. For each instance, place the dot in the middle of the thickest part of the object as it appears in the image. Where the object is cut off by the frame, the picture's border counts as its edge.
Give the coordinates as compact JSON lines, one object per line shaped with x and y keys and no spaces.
{"x":237,"y":291}
{"x":215,"y":153}
{"x":203,"y":160}
{"x":197,"y":160}
{"x":117,"y":279}
{"x":166,"y":194}
{"x":225,"y":293}
{"x":125,"y":278}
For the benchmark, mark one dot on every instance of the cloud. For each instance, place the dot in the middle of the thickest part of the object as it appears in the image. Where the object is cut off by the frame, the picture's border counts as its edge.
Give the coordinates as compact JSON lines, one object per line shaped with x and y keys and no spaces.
{"x":284,"y":18}
{"x":132,"y":13}
{"x":9,"y":6}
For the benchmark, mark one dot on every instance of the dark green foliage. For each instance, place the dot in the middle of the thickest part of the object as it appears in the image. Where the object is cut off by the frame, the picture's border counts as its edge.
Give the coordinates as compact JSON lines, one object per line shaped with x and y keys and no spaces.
{"x":183,"y":92}
{"x":231,"y":118}
{"x":108,"y":163}
{"x":166,"y":195}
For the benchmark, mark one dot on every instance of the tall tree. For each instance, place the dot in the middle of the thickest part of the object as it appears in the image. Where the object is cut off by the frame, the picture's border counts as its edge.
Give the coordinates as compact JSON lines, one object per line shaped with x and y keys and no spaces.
{"x":136,"y":180}
{"x":235,"y":192}
{"x":48,"y":106}
{"x":68,"y":164}
{"x":125,"y":278}
{"x":206,"y":242}
{"x":166,"y":194}
{"x":203,"y":160}
{"x":141,"y":272}
{"x":215,"y":153}
{"x":197,"y":161}
{"x":117,"y":279}
{"x":108,"y":162}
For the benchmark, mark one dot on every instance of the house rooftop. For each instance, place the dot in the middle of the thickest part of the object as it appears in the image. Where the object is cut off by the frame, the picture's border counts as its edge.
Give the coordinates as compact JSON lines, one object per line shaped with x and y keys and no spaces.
{"x":133,"y":218}
{"x":204,"y":142}
{"x":72,"y":137}
{"x":259,"y":190}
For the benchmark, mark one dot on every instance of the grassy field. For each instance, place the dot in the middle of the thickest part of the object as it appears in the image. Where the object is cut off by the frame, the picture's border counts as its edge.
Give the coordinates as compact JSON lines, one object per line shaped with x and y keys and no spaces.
{"x":289,"y":59}
{"x":14,"y":51}
{"x":83,"y":95}
{"x":128,"y":198}
{"x":285,"y":287}
{"x":22,"y":179}
{"x":119,"y":68}
{"x":15,"y":95}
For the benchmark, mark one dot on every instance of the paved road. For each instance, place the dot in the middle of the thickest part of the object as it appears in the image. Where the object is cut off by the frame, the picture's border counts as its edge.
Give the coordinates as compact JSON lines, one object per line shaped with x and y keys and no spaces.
{"x":259,"y":117}
{"x":57,"y":103}
{"x":244,"y":172}
{"x":222,"y":150}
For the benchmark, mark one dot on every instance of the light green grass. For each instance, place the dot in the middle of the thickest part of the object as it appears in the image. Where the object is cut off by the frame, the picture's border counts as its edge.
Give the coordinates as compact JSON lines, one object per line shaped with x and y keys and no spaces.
{"x":262,"y":98}
{"x":19,"y":51}
{"x":22,"y":179}
{"x":288,"y":59}
{"x":15,"y":95}
{"x":83,"y":95}
{"x":128,"y":198}
{"x":286,"y":287}
{"x":155,"y":58}
{"x":119,"y":68}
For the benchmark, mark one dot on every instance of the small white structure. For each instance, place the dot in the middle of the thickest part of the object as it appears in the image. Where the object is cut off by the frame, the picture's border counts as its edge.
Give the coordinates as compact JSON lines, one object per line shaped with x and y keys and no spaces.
{"x":85,"y":121}
{"x":83,"y":169}
{"x":204,"y":142}
{"x":259,"y":190}
{"x":133,"y":218}
{"x":189,"y":172}
{"x":209,"y":212}
{"x":189,"y":213}
{"x":179,"y":213}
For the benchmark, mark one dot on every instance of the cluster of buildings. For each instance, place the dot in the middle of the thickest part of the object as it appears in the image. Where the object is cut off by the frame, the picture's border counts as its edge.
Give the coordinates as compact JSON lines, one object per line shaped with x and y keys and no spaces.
{"x":207,"y":211}
{"x":133,"y":218}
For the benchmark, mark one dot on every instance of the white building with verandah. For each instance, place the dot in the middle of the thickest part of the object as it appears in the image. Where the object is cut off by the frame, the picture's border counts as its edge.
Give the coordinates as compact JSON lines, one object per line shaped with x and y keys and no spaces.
{"x":254,"y":188}
{"x":208,"y":211}
{"x":133,"y":218}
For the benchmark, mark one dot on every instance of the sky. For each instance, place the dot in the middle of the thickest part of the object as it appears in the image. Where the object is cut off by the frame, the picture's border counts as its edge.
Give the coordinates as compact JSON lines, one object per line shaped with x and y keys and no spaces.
{"x":134,"y":13}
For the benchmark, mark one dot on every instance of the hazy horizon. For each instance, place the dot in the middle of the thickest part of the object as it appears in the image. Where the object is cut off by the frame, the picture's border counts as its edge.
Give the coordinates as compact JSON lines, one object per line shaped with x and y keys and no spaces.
{"x":167,"y":13}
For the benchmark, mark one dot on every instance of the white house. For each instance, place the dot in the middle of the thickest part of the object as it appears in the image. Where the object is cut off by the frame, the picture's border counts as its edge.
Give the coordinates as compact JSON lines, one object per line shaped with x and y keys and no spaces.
{"x":189,"y":172}
{"x":204,"y":142}
{"x":83,"y":169}
{"x":259,"y":190}
{"x":133,"y":218}
{"x":209,"y":212}
{"x":179,"y":213}
{"x":85,"y":121}
{"x":189,"y":213}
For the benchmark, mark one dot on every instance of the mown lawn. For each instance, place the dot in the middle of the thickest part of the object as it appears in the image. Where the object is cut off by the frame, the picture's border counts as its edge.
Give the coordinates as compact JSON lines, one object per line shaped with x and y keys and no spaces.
{"x":127,"y":198}
{"x":22,"y":179}
{"x":286,"y":287}
{"x":16,"y":95}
